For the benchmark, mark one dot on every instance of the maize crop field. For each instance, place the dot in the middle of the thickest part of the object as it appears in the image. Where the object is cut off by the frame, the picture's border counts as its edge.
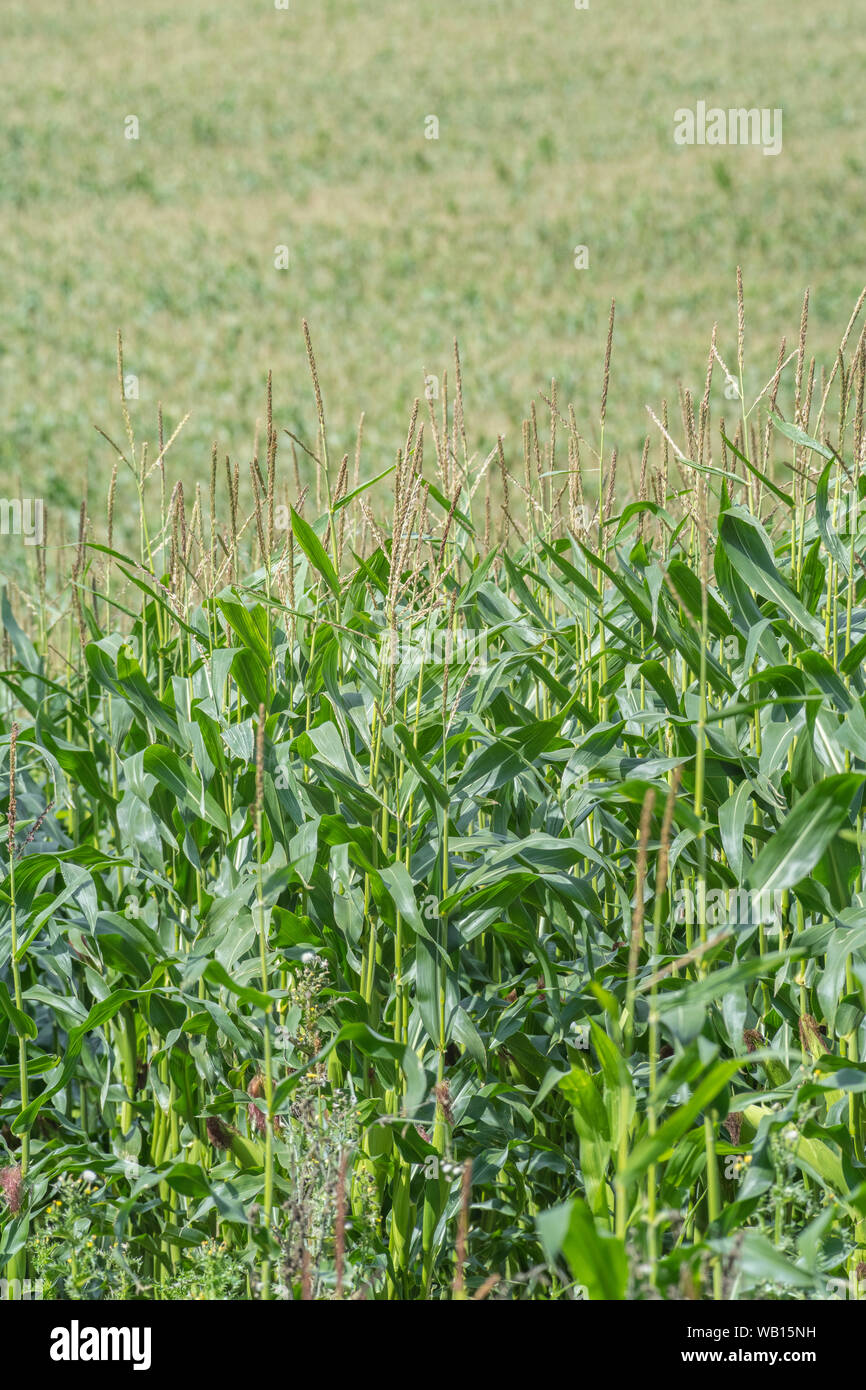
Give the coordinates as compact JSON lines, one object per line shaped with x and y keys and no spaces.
{"x":459,"y":898}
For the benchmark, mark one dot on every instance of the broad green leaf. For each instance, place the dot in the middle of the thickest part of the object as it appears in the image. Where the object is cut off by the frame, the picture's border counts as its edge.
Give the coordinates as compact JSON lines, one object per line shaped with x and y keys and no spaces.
{"x":804,"y":834}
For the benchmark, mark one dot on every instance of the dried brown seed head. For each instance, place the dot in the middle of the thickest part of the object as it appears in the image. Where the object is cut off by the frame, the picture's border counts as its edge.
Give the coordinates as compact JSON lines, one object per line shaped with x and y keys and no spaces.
{"x":217,"y":1133}
{"x":12,"y":1183}
{"x":443,"y":1100}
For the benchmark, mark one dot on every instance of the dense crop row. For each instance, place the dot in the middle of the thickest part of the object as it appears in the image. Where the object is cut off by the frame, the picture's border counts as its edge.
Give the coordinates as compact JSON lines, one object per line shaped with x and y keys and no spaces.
{"x":467,"y":905}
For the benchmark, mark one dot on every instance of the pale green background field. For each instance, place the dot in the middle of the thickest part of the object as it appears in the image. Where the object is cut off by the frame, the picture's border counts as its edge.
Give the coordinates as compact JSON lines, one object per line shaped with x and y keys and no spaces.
{"x":306,"y":127}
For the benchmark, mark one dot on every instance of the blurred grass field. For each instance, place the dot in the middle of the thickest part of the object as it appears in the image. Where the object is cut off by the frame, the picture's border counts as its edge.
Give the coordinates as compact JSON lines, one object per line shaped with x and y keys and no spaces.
{"x":306,"y":127}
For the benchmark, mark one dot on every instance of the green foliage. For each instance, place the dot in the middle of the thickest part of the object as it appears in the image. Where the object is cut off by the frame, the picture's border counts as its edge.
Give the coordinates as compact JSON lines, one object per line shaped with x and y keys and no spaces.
{"x":338,"y":968}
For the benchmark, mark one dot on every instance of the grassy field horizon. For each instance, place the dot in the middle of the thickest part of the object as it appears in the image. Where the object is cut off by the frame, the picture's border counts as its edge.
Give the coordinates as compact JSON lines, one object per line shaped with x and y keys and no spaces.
{"x":305,"y":128}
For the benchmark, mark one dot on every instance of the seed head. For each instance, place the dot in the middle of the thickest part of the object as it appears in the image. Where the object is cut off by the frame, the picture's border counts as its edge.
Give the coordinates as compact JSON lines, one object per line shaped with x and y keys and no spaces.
{"x":812,"y":1038}
{"x":13,"y":809}
{"x":256,"y":1116}
{"x":217,"y":1133}
{"x":443,"y":1100}
{"x":752,"y":1039}
{"x":12,"y":1183}
{"x":260,"y":761}
{"x":734,"y":1125}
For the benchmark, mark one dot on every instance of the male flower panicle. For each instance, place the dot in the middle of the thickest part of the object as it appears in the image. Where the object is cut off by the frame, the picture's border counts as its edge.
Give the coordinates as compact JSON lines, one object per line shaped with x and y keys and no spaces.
{"x":12,"y":812}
